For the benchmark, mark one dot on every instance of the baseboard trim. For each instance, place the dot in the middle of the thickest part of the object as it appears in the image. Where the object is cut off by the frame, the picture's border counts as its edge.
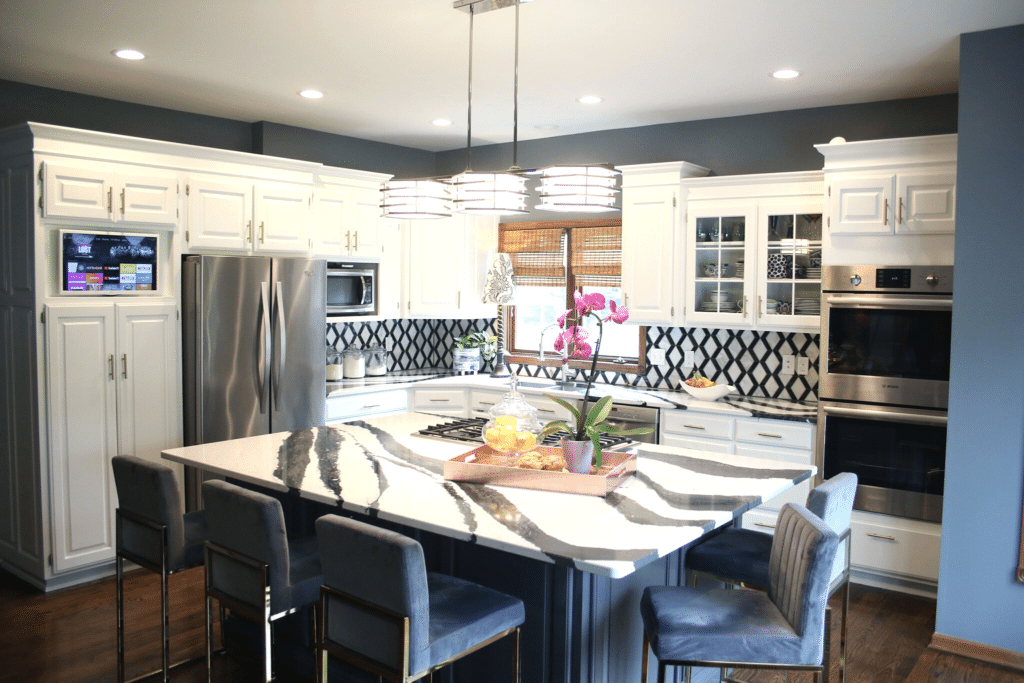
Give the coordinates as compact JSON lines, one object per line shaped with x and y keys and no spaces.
{"x":979,"y":651}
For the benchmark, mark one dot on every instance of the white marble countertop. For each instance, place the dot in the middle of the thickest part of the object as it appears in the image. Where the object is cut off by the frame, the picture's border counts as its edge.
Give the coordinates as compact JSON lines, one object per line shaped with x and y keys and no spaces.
{"x":733,"y":404}
{"x":379,"y":468}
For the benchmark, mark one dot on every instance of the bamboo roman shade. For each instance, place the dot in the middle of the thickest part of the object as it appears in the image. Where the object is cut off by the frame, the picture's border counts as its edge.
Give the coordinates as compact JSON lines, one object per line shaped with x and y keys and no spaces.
{"x":597,"y":256}
{"x":538,"y":256}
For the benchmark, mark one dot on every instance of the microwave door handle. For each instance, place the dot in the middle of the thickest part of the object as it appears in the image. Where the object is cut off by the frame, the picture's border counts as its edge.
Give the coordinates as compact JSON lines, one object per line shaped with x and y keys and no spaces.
{"x":859,"y":413}
{"x":262,"y":359}
{"x":280,"y":342}
{"x":840,"y":301}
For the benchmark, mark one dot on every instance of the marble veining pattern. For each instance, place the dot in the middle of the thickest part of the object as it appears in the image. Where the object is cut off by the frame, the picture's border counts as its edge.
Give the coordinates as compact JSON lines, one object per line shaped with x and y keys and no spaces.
{"x":378,"y":467}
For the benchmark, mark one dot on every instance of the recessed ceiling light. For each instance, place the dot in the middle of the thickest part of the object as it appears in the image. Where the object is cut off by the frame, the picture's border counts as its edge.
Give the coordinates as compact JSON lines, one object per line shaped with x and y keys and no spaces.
{"x":785,"y":73}
{"x":129,"y":53}
{"x":311,"y":94}
{"x":590,"y":99}
{"x":442,"y":122}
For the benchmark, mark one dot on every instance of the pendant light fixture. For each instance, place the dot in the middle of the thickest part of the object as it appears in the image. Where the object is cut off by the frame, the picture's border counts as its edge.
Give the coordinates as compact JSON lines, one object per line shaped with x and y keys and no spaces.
{"x":587,"y":189}
{"x":415,"y":199}
{"x":488,"y":194}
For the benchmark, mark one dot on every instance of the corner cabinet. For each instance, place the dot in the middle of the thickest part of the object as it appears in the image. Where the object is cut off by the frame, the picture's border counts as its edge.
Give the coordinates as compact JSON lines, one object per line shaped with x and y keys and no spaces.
{"x":447,"y":263}
{"x":112,"y":387}
{"x":890,"y":201}
{"x":753,"y":251}
{"x":652,"y":245}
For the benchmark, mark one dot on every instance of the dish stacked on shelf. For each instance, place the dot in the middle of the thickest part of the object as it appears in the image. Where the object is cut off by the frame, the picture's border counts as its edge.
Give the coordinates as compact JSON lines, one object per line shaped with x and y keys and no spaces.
{"x":814,"y":273}
{"x":771,"y":306}
{"x":808,"y":306}
{"x":718,"y":302}
{"x":739,"y":268}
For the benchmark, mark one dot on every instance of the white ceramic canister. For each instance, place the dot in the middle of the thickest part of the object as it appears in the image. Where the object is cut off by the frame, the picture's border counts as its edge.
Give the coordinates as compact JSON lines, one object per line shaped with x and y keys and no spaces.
{"x":354,"y":362}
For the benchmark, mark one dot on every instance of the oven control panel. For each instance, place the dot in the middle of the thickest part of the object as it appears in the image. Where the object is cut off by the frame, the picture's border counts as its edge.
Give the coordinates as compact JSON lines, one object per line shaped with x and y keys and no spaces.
{"x":892,"y":278}
{"x":869,"y":279}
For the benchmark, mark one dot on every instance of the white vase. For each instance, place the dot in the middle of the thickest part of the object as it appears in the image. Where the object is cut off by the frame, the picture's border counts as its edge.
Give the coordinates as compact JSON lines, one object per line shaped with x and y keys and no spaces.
{"x":466,"y":361}
{"x":579,"y":455}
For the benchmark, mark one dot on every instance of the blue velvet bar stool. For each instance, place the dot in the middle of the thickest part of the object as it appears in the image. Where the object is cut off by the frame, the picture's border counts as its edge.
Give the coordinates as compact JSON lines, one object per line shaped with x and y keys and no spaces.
{"x":251,"y":566}
{"x":383,"y":613}
{"x":784,"y":628}
{"x":152,"y":531}
{"x":742,"y":555}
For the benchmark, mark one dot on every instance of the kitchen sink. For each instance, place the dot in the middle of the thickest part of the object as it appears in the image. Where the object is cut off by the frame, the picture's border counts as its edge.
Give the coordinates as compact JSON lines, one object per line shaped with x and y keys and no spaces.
{"x":537,"y":385}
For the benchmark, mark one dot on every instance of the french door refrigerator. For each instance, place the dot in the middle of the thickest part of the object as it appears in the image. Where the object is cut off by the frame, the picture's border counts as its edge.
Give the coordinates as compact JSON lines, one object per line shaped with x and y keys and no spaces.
{"x":254,"y":330}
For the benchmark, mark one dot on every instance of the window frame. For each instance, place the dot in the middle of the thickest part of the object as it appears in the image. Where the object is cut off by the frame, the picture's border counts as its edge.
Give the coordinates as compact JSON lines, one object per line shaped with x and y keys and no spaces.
{"x":637,"y":365}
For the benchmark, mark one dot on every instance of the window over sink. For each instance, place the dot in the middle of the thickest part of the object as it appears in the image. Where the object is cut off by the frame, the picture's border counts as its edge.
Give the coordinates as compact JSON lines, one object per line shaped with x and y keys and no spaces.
{"x":552,"y":260}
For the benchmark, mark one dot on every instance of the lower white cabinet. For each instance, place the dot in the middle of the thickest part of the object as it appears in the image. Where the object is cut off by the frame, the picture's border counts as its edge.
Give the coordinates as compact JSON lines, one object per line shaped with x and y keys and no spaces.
{"x":887,"y":545}
{"x":440,"y":401}
{"x":112,"y":387}
{"x":377,"y":403}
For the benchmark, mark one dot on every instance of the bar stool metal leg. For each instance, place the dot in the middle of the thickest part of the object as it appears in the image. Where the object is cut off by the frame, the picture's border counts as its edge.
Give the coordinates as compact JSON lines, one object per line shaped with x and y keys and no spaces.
{"x":165,"y":620}
{"x":120,"y":614}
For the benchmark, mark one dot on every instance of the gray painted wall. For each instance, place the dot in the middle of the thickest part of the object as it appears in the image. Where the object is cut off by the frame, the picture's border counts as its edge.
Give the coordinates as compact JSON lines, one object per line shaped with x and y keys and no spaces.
{"x":979,"y":600}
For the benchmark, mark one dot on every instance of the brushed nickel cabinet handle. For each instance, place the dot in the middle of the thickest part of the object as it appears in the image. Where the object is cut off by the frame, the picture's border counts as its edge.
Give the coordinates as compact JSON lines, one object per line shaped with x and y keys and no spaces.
{"x":110,"y":200}
{"x":694,"y":427}
{"x":355,"y":245}
{"x":766,"y":526}
{"x":348,"y":240}
{"x":441,"y":400}
{"x":759,"y":308}
{"x":882,"y":536}
{"x":487,"y":403}
{"x":261,"y":232}
{"x":248,"y":232}
{"x":545,"y":410}
{"x":885,"y":213}
{"x":110,"y":362}
{"x":124,"y":365}
{"x":122,"y":201}
{"x":375,"y":405}
{"x":773,"y":436}
{"x":899,"y":212}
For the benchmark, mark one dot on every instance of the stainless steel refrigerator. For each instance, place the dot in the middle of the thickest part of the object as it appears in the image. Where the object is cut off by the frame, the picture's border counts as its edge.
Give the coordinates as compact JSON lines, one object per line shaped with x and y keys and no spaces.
{"x":254,"y":330}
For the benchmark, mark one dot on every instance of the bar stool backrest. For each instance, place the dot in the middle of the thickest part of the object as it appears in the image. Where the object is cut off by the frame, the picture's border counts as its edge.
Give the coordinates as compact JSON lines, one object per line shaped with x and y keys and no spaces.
{"x":149,"y":490}
{"x":385,"y":569}
{"x":252,"y":524}
{"x":803,"y":550}
{"x":832,"y":501}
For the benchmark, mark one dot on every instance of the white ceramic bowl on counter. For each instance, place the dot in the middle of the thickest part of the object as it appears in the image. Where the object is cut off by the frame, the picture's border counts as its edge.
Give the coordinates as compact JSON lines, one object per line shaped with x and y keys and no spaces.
{"x":709,"y":393}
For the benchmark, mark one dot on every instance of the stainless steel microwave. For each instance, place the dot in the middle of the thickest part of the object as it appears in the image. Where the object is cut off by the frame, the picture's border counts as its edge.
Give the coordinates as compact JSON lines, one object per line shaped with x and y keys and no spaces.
{"x":351,"y":288}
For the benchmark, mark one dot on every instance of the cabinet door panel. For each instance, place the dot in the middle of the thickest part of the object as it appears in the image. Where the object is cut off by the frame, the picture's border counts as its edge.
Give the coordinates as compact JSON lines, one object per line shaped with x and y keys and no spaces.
{"x":219,"y":215}
{"x":83,"y":433}
{"x":433,"y":272}
{"x":282,"y":219}
{"x":77,"y":193}
{"x":389,"y":274}
{"x":648,"y":244}
{"x":149,"y":418}
{"x":926,"y":203}
{"x":330,"y":222}
{"x":365,"y":238}
{"x":148,"y":199}
{"x":861,"y":205}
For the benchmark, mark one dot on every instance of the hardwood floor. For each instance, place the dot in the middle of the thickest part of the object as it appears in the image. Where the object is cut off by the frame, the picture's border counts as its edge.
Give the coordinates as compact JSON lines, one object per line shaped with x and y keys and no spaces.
{"x":69,"y":636}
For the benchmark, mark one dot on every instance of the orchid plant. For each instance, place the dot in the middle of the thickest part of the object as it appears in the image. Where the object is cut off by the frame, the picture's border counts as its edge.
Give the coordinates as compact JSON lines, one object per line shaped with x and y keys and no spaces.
{"x":573,"y":342}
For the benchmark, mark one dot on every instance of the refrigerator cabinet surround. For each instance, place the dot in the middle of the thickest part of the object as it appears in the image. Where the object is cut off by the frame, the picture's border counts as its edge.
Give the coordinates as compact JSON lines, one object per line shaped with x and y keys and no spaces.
{"x":253,"y":335}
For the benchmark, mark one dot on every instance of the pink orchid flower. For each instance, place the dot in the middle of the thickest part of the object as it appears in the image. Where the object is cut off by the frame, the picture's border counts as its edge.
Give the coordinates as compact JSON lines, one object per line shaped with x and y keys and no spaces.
{"x":618,"y":314}
{"x":587,"y":303}
{"x":561,"y":319}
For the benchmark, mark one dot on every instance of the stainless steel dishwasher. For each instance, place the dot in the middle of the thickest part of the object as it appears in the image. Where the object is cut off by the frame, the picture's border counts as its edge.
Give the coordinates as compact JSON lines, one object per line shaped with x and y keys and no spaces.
{"x":631,"y":417}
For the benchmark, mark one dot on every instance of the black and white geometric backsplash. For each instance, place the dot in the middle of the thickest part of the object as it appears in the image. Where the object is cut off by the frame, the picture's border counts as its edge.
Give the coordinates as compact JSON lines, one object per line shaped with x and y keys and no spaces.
{"x":749,"y":360}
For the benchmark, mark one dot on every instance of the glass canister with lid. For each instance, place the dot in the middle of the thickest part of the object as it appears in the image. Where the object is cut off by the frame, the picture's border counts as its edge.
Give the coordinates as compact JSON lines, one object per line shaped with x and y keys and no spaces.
{"x":354,"y":362}
{"x":376,"y":361}
{"x":513,"y":425}
{"x":334,"y":367}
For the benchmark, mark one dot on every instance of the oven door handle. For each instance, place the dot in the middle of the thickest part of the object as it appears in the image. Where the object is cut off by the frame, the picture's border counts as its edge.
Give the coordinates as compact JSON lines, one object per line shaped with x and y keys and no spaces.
{"x":842,"y":301}
{"x":859,"y":413}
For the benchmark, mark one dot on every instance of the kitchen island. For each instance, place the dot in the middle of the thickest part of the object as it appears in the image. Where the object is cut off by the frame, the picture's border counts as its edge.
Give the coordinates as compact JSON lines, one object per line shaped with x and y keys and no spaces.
{"x":579,"y":562}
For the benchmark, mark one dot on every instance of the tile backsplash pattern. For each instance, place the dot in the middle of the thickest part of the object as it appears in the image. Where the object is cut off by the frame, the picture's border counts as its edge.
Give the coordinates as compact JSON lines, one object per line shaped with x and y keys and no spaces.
{"x":749,"y":360}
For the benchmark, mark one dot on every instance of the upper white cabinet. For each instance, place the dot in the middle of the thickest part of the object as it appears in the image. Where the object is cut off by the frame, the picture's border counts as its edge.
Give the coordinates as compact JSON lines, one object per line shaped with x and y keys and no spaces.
{"x":237,"y":216}
{"x":753,"y":250}
{"x":890,"y":202}
{"x":652,"y":243}
{"x":447,"y":262}
{"x":389,"y":272}
{"x":346,"y":223}
{"x":108,"y":194}
{"x":112,"y":385}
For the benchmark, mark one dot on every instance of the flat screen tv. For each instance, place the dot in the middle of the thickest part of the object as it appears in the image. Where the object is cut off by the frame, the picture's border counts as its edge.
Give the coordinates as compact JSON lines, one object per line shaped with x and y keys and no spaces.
{"x":93,"y":262}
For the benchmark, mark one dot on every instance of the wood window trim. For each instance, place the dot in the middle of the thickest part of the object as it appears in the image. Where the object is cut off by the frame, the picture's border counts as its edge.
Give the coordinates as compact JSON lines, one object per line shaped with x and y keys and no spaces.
{"x":632,"y":366}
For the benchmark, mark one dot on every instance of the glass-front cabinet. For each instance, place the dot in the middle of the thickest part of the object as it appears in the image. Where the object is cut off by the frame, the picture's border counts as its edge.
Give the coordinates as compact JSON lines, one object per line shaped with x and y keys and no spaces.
{"x":789,"y":285}
{"x":718,"y":288}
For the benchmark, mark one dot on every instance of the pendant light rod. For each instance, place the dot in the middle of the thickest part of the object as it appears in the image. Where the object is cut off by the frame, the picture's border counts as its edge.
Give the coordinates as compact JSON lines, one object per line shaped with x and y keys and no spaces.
{"x":469,"y":99}
{"x":515,"y":102}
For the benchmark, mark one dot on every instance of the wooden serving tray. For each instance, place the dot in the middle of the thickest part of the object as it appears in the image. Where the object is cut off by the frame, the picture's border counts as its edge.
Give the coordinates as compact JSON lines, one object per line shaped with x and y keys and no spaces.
{"x":484,"y":465}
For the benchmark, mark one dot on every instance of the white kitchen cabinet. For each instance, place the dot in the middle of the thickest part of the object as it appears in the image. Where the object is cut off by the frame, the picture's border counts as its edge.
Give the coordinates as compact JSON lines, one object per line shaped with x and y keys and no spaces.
{"x":109,"y":194}
{"x":447,"y":262}
{"x":112,"y":388}
{"x":890,"y":202}
{"x":481,"y":402}
{"x":376,"y":403}
{"x":346,"y":223}
{"x":897,"y":547}
{"x":440,"y":401}
{"x":749,"y":243}
{"x":652,"y":241}
{"x":242,"y":217}
{"x":389,"y":271}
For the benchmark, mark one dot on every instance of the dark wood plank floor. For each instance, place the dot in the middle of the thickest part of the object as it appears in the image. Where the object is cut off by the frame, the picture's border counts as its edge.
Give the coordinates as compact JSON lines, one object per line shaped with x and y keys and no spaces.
{"x":69,"y":636}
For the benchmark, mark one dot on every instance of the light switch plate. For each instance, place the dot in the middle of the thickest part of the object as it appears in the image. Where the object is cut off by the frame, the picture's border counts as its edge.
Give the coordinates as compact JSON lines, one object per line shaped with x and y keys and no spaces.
{"x":787,"y":365}
{"x":688,"y":357}
{"x":803,"y":364}
{"x":656,"y":356}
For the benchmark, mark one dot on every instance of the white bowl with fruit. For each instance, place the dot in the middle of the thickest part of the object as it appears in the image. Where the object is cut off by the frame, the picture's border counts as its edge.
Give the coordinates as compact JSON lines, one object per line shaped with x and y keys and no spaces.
{"x":705,"y":389}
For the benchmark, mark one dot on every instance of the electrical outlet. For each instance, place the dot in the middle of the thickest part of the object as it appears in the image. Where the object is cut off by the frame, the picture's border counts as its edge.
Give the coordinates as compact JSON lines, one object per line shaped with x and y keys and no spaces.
{"x":656,"y":356}
{"x":688,"y":357}
{"x":787,"y":365}
{"x":803,"y":364}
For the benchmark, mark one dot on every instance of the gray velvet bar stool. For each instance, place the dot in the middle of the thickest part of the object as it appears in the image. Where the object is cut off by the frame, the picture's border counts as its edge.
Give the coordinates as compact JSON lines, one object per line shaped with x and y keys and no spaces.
{"x":742,"y":555}
{"x":251,"y":566}
{"x":154,"y":533}
{"x":784,"y":628}
{"x":383,"y":613}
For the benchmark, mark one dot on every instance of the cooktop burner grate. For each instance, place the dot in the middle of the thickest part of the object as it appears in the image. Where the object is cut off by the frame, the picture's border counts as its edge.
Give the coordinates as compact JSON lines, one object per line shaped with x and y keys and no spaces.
{"x":470,"y":430}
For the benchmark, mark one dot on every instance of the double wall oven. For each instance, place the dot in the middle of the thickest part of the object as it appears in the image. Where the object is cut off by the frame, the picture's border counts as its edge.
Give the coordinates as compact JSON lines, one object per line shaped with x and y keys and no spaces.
{"x":884,"y":384}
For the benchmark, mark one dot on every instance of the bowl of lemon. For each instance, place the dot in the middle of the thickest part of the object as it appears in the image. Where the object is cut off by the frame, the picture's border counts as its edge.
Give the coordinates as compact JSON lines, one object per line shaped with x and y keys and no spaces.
{"x":513,"y":426}
{"x":705,"y":389}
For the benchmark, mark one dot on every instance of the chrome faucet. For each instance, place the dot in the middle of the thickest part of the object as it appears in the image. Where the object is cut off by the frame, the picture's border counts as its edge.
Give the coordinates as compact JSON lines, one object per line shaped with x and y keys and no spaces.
{"x":563,"y":381}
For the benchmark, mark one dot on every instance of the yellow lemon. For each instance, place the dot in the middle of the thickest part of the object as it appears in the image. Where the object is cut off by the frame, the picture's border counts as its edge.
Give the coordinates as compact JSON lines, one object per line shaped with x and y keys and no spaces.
{"x":506,"y":440}
{"x":492,"y":437}
{"x":525,"y":441}
{"x":505,"y":420}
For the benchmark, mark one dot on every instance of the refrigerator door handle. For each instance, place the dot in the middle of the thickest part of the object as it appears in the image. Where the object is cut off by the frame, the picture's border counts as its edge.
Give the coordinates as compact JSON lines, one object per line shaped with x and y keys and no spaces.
{"x":263,"y":357}
{"x":280,"y":341}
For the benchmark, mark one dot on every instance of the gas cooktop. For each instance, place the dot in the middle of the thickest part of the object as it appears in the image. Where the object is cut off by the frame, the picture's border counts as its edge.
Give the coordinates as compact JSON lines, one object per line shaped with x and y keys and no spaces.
{"x":470,"y":430}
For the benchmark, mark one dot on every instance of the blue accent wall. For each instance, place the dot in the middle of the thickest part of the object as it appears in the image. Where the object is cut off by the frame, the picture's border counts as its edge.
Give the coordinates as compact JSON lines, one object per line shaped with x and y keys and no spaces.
{"x":978,"y":598}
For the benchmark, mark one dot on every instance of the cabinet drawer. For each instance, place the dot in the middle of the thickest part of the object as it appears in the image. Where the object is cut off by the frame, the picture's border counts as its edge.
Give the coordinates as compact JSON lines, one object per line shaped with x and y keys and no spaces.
{"x":697,"y":443}
{"x":905,"y":547}
{"x":689,"y":423}
{"x":441,"y":401}
{"x":548,"y":410}
{"x":761,"y":520}
{"x":483,"y":401}
{"x":797,"y":494}
{"x":776,"y":433}
{"x":359,"y":405}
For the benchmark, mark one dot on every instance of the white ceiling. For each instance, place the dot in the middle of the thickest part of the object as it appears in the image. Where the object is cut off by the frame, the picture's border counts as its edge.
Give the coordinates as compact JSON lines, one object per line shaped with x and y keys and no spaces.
{"x":390,"y":68}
